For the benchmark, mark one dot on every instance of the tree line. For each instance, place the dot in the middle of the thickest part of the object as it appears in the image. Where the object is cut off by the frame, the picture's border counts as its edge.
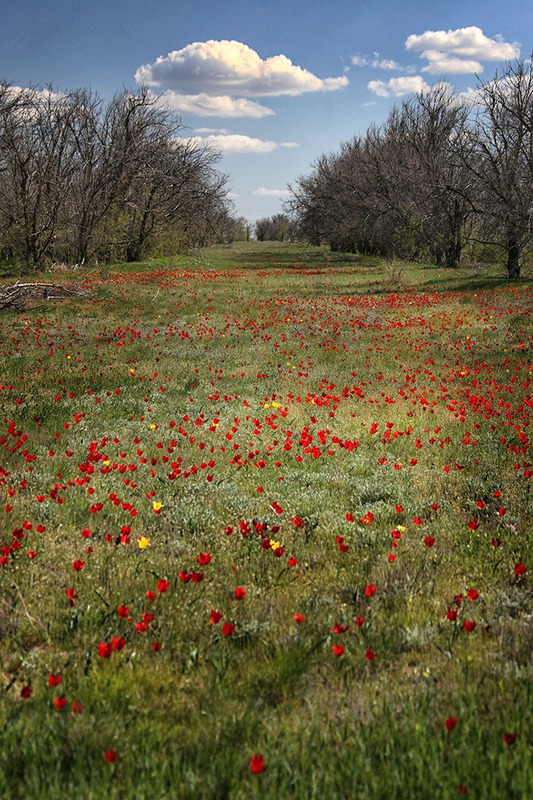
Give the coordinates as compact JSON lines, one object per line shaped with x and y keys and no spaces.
{"x":84,"y":179}
{"x":441,"y":173}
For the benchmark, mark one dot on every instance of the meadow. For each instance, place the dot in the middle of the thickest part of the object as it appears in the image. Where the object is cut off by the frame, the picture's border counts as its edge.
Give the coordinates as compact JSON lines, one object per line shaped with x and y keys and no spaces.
{"x":266,"y":532}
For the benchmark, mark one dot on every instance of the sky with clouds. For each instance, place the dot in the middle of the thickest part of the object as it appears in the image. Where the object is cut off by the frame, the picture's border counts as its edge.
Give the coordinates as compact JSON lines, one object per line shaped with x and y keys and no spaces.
{"x":271,"y":84}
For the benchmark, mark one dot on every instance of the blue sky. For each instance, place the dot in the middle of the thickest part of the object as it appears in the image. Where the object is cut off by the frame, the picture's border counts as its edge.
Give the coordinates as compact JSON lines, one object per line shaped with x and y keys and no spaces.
{"x":272,"y":84}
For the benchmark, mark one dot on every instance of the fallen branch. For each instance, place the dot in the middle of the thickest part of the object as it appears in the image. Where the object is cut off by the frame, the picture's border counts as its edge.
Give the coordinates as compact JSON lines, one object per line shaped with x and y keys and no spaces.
{"x":18,"y":295}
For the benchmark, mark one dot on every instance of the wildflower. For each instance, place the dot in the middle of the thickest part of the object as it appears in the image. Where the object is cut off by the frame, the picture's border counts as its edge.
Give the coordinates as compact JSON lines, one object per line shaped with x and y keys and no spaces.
{"x":157,"y":506}
{"x":72,"y":595}
{"x":111,"y":756}
{"x":104,"y":650}
{"x":215,"y":616}
{"x":340,"y":628}
{"x":78,"y":565}
{"x":240,"y":593}
{"x":54,"y":680}
{"x":469,"y":625}
{"x":369,"y":654}
{"x":143,"y":541}
{"x":162,"y":586}
{"x":343,"y":548}
{"x":338,"y":650}
{"x":60,"y":703}
{"x":26,"y":692}
{"x":371,"y":590}
{"x":510,"y":738}
{"x":257,"y":764}
{"x":228,"y":629}
{"x":204,"y":559}
{"x":520,"y":570}
{"x":299,"y":618}
{"x":451,"y":723}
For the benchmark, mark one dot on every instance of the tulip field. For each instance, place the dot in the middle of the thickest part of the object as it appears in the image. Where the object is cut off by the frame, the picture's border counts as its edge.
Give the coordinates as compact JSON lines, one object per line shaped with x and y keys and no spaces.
{"x":267,"y":532}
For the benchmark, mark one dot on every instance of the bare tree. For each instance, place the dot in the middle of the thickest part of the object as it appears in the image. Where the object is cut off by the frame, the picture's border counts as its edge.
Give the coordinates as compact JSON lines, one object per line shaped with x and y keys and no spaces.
{"x":36,"y":160}
{"x":499,"y":155}
{"x":439,"y":183}
{"x":277,"y":228}
{"x":80,"y":178}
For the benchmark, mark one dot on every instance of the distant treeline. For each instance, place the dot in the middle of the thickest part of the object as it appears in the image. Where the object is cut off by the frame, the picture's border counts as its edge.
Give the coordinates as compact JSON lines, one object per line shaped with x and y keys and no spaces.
{"x":82,"y":179}
{"x":442,"y":173}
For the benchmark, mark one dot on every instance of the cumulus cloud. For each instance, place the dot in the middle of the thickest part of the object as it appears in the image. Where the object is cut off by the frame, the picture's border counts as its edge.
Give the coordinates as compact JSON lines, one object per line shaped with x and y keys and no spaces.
{"x":262,"y":191}
{"x":460,"y":51}
{"x":231,"y":68}
{"x":238,"y":143}
{"x":375,"y":61}
{"x":398,"y":87}
{"x":206,"y":105}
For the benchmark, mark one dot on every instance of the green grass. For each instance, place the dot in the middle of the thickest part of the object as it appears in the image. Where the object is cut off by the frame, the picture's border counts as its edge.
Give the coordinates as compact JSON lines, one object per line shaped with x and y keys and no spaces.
{"x":268,"y":396}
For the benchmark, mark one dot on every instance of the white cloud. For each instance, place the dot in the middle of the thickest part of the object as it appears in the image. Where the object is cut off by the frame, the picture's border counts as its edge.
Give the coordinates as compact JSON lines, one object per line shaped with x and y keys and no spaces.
{"x":443,"y":62}
{"x":501,"y":85}
{"x":211,"y":130}
{"x":375,"y":61}
{"x":206,"y":105}
{"x":461,"y":50}
{"x":35,"y":95}
{"x":231,"y":68}
{"x":238,"y":143}
{"x":262,"y":191}
{"x":398,"y":87}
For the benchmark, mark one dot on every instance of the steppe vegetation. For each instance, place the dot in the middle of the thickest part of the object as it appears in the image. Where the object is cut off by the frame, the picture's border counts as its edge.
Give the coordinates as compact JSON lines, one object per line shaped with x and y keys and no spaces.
{"x":266,"y":531}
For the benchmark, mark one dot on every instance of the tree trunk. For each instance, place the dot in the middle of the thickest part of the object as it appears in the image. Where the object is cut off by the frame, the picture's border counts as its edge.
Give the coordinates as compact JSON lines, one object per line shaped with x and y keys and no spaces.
{"x":453,"y":254}
{"x":514,"y":252}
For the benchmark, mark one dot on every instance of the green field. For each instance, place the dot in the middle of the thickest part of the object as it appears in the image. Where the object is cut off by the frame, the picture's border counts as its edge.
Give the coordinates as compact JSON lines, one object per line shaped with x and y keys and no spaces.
{"x":267,"y":532}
